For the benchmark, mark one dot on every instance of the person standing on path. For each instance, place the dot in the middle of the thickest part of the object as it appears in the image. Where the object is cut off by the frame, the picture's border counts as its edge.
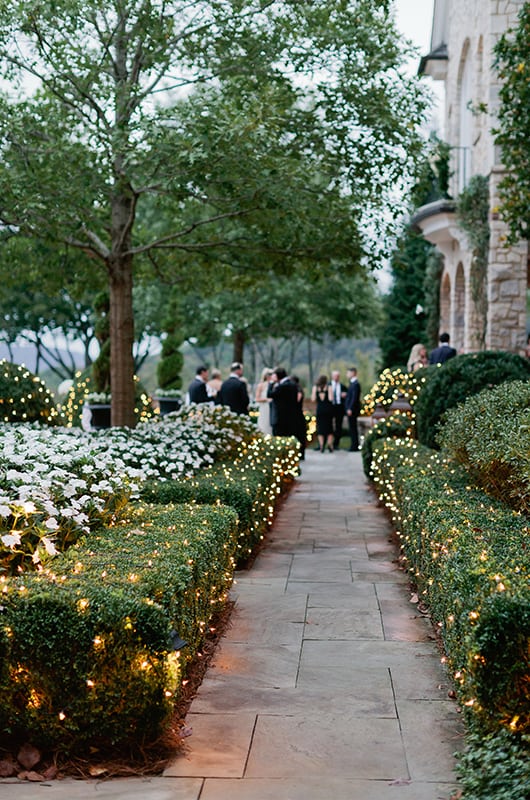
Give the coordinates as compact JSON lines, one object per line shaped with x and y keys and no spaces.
{"x":443,"y":352}
{"x":321,"y":395}
{"x":234,"y":392}
{"x":264,"y":402}
{"x":301,"y":424}
{"x":338,"y":393}
{"x":198,"y":390}
{"x":353,"y":407}
{"x":284,"y":396}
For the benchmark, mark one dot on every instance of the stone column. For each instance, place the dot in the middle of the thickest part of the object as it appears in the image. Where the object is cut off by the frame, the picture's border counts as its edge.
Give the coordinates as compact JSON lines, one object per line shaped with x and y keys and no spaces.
{"x":507,"y":282}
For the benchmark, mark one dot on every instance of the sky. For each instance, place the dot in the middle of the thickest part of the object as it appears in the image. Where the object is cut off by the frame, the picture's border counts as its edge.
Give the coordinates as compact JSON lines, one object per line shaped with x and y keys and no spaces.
{"x":414,"y":19}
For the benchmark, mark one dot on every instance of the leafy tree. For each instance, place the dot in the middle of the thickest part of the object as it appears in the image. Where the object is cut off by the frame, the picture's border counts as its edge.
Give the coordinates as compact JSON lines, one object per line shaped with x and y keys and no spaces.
{"x":157,"y":127}
{"x":281,"y":311}
{"x":512,"y":60}
{"x":412,"y":305}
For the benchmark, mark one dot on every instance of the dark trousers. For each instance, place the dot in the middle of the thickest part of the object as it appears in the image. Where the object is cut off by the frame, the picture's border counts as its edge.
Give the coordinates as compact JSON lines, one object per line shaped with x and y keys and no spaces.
{"x":354,"y":433}
{"x":338,"y":416}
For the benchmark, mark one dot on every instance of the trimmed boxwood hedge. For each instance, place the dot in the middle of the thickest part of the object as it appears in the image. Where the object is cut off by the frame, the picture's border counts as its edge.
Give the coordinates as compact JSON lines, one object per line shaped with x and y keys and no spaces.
{"x":490,"y":436}
{"x":88,"y":659}
{"x":87,"y":645}
{"x":396,"y":425}
{"x":469,"y":556}
{"x":453,"y":382}
{"x":249,"y":484}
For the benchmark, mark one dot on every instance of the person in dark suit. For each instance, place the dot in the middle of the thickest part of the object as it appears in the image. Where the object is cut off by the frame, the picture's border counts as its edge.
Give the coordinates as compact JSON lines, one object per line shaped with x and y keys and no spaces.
{"x":284,"y":395}
{"x":300,"y":422}
{"x":338,"y":393}
{"x":352,"y":405}
{"x":443,"y":352}
{"x":197,"y":390}
{"x":233,"y":391}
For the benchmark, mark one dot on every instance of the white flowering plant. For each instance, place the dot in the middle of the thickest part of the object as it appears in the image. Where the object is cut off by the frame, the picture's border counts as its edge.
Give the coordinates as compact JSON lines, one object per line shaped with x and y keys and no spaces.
{"x":98,"y":398}
{"x":57,"y":484}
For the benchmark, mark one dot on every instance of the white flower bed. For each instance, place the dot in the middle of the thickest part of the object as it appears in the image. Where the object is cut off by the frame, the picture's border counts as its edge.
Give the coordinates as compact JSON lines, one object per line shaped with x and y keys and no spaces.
{"x":55,"y":482}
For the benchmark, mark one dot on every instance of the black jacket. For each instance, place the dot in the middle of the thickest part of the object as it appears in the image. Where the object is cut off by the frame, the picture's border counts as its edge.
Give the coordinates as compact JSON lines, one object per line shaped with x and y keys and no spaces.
{"x":197,"y":391}
{"x":234,"y":393}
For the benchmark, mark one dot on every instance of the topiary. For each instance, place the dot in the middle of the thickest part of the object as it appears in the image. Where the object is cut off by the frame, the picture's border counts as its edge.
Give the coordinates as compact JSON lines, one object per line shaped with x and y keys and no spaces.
{"x":24,"y":397}
{"x":451,"y":383}
{"x":171,"y":359}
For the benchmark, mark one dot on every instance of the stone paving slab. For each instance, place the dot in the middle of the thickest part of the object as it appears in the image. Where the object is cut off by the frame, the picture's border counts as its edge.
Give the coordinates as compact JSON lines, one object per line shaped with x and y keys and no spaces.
{"x":117,"y":789}
{"x":322,"y":789}
{"x":326,"y":745}
{"x":219,"y":748}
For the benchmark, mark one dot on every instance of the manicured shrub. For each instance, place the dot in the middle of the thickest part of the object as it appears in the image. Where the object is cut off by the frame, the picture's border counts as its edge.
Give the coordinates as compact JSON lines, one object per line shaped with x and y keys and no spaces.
{"x":490,"y":435}
{"x":25,"y":398}
{"x":401,"y":426}
{"x":83,"y":385}
{"x":459,"y":378}
{"x":495,"y":767}
{"x":250,"y":484}
{"x":89,"y":659}
{"x":389,"y":386}
{"x":469,"y":556}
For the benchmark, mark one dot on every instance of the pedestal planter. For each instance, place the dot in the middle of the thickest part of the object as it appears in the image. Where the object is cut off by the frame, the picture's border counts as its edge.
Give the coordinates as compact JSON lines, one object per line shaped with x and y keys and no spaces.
{"x":100,"y":415}
{"x":168,"y":404}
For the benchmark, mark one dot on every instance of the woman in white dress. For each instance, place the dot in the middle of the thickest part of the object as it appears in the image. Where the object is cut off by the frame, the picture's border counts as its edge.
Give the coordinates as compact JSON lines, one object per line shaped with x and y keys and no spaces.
{"x":264,"y":418}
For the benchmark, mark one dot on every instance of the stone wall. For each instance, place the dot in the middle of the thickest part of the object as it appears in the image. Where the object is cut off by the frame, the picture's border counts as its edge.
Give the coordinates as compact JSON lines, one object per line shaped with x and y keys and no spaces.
{"x":472,"y":99}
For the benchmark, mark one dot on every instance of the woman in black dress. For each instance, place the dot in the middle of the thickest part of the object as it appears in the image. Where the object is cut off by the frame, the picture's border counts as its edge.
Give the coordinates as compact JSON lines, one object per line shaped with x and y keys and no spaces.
{"x":321,"y":394}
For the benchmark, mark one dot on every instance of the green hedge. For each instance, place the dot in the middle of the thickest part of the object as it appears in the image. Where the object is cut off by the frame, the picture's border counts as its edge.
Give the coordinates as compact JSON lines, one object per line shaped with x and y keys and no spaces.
{"x":490,"y":436}
{"x":86,"y":658}
{"x":87,"y":654}
{"x":251,"y":485}
{"x":469,"y":556}
{"x":400,"y":426}
{"x":453,"y":382}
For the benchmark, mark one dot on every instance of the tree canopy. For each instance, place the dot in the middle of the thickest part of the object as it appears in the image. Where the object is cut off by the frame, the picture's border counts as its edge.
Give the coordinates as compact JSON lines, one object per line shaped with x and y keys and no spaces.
{"x":170,"y":134}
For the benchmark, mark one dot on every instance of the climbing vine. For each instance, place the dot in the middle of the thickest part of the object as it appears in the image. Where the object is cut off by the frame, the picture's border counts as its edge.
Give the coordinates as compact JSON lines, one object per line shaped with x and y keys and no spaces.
{"x":472,"y":208}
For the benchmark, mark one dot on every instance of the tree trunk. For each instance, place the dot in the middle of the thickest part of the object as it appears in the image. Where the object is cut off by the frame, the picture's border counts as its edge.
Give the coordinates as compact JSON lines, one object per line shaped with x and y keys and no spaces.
{"x":121,"y":343}
{"x":120,"y":273}
{"x":239,"y":346}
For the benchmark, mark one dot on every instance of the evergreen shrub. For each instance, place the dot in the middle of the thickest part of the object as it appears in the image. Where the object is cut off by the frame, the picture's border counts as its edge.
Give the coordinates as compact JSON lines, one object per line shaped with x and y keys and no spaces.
{"x":88,"y":651}
{"x":469,"y":556}
{"x":399,"y":426}
{"x":25,"y":398}
{"x":490,"y":435}
{"x":83,"y":385}
{"x":250,"y":484}
{"x":459,"y":378}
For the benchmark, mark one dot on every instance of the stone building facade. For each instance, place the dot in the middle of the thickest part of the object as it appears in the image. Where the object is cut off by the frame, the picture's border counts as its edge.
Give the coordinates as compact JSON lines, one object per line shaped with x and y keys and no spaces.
{"x":464,"y":34}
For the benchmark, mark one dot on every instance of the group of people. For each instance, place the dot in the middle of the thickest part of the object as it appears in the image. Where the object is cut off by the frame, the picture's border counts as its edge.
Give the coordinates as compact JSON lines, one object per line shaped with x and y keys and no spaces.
{"x":280,"y":400}
{"x":418,"y":355}
{"x":334,"y":401}
{"x":232,"y":392}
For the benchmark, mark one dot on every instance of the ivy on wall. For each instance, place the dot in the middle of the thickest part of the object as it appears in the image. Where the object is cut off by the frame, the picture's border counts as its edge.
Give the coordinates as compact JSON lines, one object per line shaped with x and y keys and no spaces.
{"x":472,"y":209}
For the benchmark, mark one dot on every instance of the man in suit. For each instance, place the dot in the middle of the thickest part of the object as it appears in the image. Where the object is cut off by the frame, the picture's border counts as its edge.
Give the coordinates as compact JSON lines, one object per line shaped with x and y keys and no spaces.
{"x":352,"y":405}
{"x":443,"y":352}
{"x":284,"y":395}
{"x":233,"y":391}
{"x":197,"y":390}
{"x":338,"y":391}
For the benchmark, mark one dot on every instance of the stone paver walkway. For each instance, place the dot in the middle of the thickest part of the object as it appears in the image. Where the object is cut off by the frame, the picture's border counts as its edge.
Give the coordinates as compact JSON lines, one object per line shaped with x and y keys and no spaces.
{"x":328,"y":684}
